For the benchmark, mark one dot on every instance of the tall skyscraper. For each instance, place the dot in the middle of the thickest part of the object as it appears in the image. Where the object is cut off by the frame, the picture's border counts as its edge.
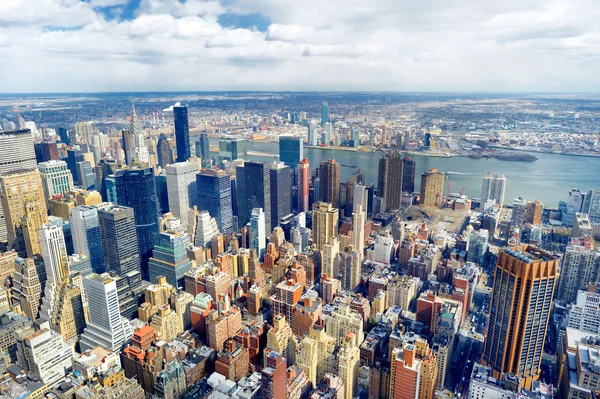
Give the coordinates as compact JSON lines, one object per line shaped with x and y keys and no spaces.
{"x":84,"y":130}
{"x":23,"y":201}
{"x":329,"y":175}
{"x":358,"y":229}
{"x":254,"y":191}
{"x":291,"y":150}
{"x":273,"y":381}
{"x":303,"y":185}
{"x":390,"y":180}
{"x":493,"y":188}
{"x":128,"y":145}
{"x":164,"y":151}
{"x":169,"y":258}
{"x":524,"y":282}
{"x":56,"y":178}
{"x":54,"y":253}
{"x":324,"y":114}
{"x":203,"y":150}
{"x":408,"y":175}
{"x":27,"y":288}
{"x":181,"y":188}
{"x":106,"y":327}
{"x":579,"y":267}
{"x":119,"y":239}
{"x":413,"y":371}
{"x":17,"y":154}
{"x":432,"y":188}
{"x":214,"y":195}
{"x":313,"y":137}
{"x":258,"y":237}
{"x":350,"y":268}
{"x":325,"y":223}
{"x":136,"y":189}
{"x":281,"y":190}
{"x":85,"y":228}
{"x":182,"y":133}
{"x":519,"y":210}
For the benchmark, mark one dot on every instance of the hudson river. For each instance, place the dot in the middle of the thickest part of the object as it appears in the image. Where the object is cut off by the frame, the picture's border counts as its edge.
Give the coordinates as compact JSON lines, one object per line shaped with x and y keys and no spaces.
{"x":548,"y":179}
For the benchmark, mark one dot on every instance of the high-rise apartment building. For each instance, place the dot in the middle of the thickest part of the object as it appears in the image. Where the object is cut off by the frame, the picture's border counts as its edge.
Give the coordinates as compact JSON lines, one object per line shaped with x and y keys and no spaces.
{"x":584,"y":313}
{"x":390,"y":180}
{"x":325,"y":223}
{"x":348,"y":364}
{"x":329,"y":175}
{"x":27,"y":288}
{"x":350,"y":268}
{"x":493,"y":188}
{"x":119,"y":239}
{"x":169,"y":258}
{"x":182,"y":133}
{"x":579,"y":267}
{"x":324,"y":114}
{"x":23,"y":202}
{"x":409,"y":168}
{"x":56,"y":178}
{"x":84,"y":130}
{"x":358,"y":229}
{"x":303,"y":185}
{"x":330,"y":258}
{"x":273,"y":376}
{"x":291,"y":150}
{"x":85,"y":228}
{"x":258,"y":237}
{"x":254,"y":191}
{"x":281,"y":190}
{"x":432,"y":188}
{"x":413,"y":371}
{"x":524,"y":283}
{"x":214,"y":195}
{"x":343,"y":321}
{"x":533,"y":212}
{"x":106,"y":327}
{"x":136,"y":189}
{"x":181,"y":188}
{"x":519,"y":210}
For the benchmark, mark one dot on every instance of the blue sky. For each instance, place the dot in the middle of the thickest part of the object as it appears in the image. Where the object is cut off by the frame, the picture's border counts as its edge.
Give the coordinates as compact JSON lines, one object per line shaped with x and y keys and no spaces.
{"x":431,"y":45}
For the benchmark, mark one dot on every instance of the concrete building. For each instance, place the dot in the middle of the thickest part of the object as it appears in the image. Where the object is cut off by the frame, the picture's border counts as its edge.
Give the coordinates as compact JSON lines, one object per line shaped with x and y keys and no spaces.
{"x":181,"y":188}
{"x":432,"y":188}
{"x":56,"y":178}
{"x":258,"y":239}
{"x":493,"y":188}
{"x":341,"y":322}
{"x":349,"y":268}
{"x":329,"y":175}
{"x":579,"y":267}
{"x":325,"y":223}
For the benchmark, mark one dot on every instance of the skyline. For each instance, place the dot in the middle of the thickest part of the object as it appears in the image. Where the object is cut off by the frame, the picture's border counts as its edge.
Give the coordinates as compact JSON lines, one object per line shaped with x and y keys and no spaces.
{"x":168,"y":45}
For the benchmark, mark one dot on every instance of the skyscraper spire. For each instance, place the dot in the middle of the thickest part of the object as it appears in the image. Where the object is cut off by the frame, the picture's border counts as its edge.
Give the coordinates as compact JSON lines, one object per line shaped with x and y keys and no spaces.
{"x":136,"y":128}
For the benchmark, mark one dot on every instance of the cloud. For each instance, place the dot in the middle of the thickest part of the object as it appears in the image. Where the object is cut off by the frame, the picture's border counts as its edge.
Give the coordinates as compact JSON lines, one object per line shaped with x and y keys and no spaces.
{"x":513,"y":45}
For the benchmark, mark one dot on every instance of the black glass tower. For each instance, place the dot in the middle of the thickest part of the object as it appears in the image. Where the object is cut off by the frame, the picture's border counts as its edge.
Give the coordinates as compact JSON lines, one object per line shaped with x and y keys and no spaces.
{"x":214,"y":195}
{"x":291,"y":150}
{"x":203,"y":150}
{"x":136,"y":189}
{"x":408,"y":175}
{"x":182,"y":133}
{"x":253,"y":191}
{"x":281,"y":190}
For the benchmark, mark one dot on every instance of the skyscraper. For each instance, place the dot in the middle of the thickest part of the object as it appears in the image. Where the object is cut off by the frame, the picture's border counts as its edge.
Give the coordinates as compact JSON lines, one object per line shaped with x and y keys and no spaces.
{"x":303,"y":185}
{"x":273,"y":376}
{"x":281,"y":190}
{"x":579,"y":267}
{"x":325,"y":223}
{"x":182,"y":133}
{"x":524,"y":282}
{"x":106,"y":327}
{"x":408,"y":175}
{"x":232,"y":149}
{"x":17,"y":154}
{"x":56,"y":178}
{"x":169,"y":258}
{"x":254,"y":191}
{"x":358,"y":229}
{"x":119,"y":239}
{"x":390,"y":180}
{"x":136,"y":189}
{"x":214,"y":195}
{"x":23,"y":201}
{"x":350,"y":268}
{"x":85,"y":228}
{"x":432,"y":188}
{"x":181,"y":188}
{"x":258,"y":236}
{"x":493,"y":188}
{"x":329,"y":175}
{"x":324,"y":114}
{"x":291,"y":150}
{"x":164,"y":151}
{"x":203,"y":150}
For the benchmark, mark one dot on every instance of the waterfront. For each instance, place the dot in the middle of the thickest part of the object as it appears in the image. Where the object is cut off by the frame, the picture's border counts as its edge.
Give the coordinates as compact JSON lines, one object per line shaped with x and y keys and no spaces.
{"x":548,"y":179}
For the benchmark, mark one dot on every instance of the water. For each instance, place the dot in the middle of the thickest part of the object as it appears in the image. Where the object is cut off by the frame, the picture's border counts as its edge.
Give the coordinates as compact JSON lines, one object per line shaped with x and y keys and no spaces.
{"x":548,"y":179}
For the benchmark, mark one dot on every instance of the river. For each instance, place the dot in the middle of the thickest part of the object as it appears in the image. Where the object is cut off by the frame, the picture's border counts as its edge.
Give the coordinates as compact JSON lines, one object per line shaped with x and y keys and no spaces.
{"x":548,"y":179}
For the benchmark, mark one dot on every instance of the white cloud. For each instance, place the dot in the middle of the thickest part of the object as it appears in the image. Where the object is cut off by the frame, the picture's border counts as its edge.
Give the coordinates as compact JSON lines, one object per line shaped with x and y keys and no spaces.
{"x":513,"y":45}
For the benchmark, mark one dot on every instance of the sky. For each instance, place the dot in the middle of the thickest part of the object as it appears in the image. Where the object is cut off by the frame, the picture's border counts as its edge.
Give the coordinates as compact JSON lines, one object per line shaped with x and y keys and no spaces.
{"x":297,"y":45}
